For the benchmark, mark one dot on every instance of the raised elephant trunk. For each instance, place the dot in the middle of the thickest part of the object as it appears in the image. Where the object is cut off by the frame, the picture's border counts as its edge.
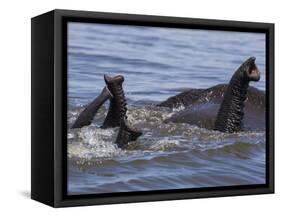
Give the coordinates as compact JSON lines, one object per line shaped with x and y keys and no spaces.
{"x":118,"y":104}
{"x":230,"y":115}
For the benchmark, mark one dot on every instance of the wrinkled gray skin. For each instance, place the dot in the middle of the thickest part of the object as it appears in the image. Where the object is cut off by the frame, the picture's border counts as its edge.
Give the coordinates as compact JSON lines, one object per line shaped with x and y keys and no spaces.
{"x":231,"y":112}
{"x":225,"y":107}
{"x":116,"y":116}
{"x":118,"y":104}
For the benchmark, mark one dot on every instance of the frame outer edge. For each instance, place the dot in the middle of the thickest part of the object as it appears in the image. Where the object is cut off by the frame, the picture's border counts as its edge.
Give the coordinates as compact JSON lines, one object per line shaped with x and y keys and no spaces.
{"x":58,"y":93}
{"x":59,"y":201}
{"x":271,"y":111}
{"x":42,"y":173}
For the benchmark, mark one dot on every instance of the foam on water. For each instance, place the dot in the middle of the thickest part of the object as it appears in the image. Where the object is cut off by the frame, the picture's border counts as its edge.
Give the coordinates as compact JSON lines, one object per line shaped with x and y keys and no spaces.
{"x":92,"y":143}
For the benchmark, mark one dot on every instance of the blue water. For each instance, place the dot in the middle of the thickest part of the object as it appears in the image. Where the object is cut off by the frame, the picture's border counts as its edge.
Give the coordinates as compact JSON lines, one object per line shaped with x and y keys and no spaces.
{"x":158,"y":63}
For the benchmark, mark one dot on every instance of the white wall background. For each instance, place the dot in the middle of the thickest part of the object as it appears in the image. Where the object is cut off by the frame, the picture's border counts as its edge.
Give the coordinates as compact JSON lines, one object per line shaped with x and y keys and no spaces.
{"x":15,"y":106}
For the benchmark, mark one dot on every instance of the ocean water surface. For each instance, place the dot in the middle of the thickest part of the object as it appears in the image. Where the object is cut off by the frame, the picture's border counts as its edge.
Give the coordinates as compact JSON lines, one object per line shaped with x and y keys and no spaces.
{"x":157,"y":63}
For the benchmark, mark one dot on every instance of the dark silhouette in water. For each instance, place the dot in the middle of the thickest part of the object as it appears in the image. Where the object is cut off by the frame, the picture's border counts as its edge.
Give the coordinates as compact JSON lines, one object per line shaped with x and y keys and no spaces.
{"x":222,"y":107}
{"x":116,"y":116}
{"x":118,"y":104}
{"x":126,"y":134}
{"x":87,"y":115}
{"x":231,"y":112}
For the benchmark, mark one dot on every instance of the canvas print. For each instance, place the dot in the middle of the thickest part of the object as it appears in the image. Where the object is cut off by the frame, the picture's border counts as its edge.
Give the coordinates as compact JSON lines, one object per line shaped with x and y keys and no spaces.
{"x":157,"y":108}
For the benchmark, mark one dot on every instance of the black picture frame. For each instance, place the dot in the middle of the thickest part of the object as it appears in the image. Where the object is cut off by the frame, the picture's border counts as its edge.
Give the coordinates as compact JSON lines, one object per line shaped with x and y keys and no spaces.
{"x":49,"y":86}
